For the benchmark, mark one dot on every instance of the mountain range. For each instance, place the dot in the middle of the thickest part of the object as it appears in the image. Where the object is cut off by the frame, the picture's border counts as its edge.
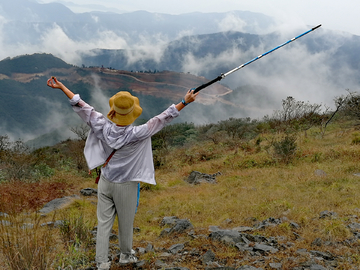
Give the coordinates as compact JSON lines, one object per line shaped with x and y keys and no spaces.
{"x":158,"y":56}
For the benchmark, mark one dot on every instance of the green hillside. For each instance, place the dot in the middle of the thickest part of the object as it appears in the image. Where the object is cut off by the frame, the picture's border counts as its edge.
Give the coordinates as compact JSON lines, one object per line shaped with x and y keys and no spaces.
{"x":35,"y":63}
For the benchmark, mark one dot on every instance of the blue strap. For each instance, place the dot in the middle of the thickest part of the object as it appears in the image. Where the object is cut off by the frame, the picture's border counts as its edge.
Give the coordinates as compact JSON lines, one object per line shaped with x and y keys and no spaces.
{"x":138,"y":197}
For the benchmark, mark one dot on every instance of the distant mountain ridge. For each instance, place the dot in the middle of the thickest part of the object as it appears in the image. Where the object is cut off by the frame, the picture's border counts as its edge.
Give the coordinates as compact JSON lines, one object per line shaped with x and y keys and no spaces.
{"x":28,"y":108}
{"x":245,"y":46}
{"x":30,"y":20}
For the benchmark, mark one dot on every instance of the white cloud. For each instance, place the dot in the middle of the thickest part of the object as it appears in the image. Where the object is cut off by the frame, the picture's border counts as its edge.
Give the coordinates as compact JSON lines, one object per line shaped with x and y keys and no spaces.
{"x":231,"y":23}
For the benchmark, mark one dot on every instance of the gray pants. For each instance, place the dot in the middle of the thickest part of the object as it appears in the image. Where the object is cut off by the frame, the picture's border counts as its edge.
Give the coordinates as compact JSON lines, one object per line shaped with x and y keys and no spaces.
{"x":120,"y":199}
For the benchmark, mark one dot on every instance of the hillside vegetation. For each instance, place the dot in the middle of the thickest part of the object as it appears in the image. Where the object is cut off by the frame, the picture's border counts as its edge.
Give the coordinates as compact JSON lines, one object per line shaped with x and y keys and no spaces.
{"x":291,"y":166}
{"x":28,"y":106}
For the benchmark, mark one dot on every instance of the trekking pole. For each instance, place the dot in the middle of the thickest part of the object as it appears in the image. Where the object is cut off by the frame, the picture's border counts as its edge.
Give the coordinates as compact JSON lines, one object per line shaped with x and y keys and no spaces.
{"x":222,"y":76}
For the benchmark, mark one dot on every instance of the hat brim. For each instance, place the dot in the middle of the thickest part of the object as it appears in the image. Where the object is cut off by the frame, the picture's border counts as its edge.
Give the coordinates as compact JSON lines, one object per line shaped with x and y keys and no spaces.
{"x":124,"y":120}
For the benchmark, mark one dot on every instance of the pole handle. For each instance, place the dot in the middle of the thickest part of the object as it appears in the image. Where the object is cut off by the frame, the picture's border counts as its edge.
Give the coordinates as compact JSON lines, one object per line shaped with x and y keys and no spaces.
{"x":197,"y":89}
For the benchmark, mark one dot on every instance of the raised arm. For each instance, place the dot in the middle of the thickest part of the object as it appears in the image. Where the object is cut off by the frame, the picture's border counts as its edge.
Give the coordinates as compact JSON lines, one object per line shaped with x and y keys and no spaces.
{"x":54,"y":83}
{"x":189,"y":97}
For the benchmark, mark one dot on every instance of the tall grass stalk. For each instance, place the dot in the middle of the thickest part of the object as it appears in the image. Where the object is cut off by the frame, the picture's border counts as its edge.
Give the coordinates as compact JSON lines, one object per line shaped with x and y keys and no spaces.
{"x":26,"y":245}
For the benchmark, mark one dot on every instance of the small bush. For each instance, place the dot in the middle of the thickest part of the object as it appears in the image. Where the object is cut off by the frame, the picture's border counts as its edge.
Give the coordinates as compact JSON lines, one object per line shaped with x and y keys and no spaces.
{"x":285,"y":148}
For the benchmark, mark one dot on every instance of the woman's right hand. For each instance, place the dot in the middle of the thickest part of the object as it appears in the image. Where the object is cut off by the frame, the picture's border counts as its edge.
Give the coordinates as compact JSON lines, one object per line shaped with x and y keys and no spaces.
{"x":54,"y":83}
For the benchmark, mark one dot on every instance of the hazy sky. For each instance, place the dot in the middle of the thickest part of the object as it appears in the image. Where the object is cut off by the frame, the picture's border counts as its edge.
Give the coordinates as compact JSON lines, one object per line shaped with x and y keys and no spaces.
{"x":332,"y":14}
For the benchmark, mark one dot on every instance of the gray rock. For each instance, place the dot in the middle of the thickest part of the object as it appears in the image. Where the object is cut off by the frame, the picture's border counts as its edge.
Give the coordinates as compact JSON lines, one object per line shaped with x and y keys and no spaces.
{"x":354,"y":227}
{"x":165,"y":232}
{"x":140,"y":264}
{"x":270,"y":222}
{"x":196,"y":178}
{"x":49,"y":224}
{"x":275,"y":265}
{"x":149,"y":248}
{"x":59,"y":223}
{"x":248,"y":267}
{"x":160,"y":264}
{"x":176,"y":248}
{"x":227,"y":236}
{"x":181,"y":225}
{"x":177,"y":268}
{"x":327,"y":213}
{"x":169,"y":221}
{"x":320,"y":173}
{"x":294,"y":225}
{"x":243,"y":247}
{"x":209,"y":256}
{"x":317,"y":267}
{"x":27,"y":226}
{"x":325,"y":255}
{"x":3,"y":214}
{"x":141,"y":250}
{"x":265,"y":248}
{"x":113,"y":237}
{"x":243,"y":229}
{"x":88,"y":191}
{"x":317,"y":242}
{"x":57,"y":204}
{"x":5,"y":223}
{"x":214,"y":228}
{"x":303,"y":252}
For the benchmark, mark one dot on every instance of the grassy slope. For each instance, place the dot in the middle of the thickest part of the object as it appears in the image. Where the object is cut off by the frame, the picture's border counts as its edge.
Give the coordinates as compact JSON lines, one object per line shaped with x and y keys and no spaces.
{"x":248,"y":189}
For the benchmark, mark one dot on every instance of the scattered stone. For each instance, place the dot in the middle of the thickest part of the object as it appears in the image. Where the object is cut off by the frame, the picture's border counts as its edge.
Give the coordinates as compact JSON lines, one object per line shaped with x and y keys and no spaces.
{"x":209,"y":256}
{"x":327,"y":213}
{"x":49,"y":224}
{"x":303,"y":252}
{"x":5,"y":223}
{"x":243,"y":247}
{"x":140,"y":264}
{"x":57,"y":204}
{"x":165,"y":255}
{"x":317,"y":242}
{"x":160,"y":264}
{"x":227,"y":221}
{"x":248,"y":267}
{"x":177,"y":268}
{"x":270,"y":222}
{"x":168,"y":221}
{"x":214,"y":228}
{"x":354,"y":227}
{"x":275,"y":265}
{"x":243,"y":229}
{"x":181,"y":225}
{"x":317,"y":267}
{"x":320,"y":173}
{"x":113,"y":237}
{"x":27,"y":226}
{"x":149,"y":248}
{"x":227,"y":236}
{"x":196,"y":178}
{"x":88,"y":191}
{"x":165,"y":232}
{"x":176,"y":248}
{"x":325,"y":255}
{"x":59,"y":223}
{"x":294,"y":225}
{"x":265,"y":248}
{"x":3,"y":214}
{"x":141,"y":250}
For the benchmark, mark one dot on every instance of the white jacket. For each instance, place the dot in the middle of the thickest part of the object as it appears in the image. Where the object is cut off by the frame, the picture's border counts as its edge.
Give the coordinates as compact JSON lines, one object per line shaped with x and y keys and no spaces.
{"x":133,"y":160}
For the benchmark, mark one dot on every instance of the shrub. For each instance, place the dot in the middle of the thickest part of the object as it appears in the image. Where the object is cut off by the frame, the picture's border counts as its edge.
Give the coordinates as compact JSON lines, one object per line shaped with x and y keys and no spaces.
{"x":285,"y":148}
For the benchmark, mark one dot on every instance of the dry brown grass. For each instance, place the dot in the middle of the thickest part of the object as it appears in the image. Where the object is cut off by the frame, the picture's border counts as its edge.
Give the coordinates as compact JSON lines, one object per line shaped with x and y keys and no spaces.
{"x":252,"y":187}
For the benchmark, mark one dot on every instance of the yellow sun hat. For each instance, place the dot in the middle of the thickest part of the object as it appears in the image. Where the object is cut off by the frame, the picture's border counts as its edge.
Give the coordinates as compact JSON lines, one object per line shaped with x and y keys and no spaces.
{"x":124,"y":108}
